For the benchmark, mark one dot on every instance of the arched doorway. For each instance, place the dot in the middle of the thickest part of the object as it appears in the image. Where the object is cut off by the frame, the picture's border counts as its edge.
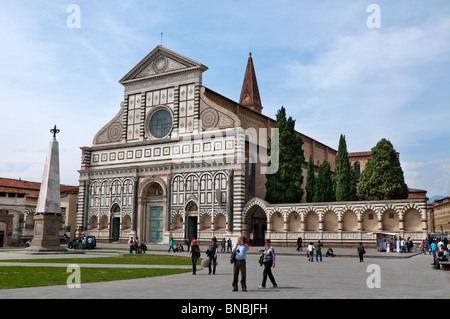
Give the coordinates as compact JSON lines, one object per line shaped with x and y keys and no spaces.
{"x":115,"y":223}
{"x":257,"y":226}
{"x":152,"y":210}
{"x":191,"y":220}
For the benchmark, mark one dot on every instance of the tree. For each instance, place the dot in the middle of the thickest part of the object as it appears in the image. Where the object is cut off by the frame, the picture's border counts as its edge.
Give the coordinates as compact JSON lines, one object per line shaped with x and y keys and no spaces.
{"x":285,"y":186}
{"x":344,"y":174}
{"x":383,"y":179}
{"x":324,"y":188}
{"x":310,"y":181}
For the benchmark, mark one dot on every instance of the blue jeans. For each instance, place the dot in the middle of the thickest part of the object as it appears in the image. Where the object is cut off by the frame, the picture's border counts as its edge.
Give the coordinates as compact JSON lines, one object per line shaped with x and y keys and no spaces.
{"x":318,"y":252}
{"x":311,"y":255}
{"x":194,"y":264}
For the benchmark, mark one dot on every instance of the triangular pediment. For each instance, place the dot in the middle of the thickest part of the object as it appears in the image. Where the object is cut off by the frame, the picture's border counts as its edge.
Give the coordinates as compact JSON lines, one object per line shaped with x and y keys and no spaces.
{"x":161,"y":61}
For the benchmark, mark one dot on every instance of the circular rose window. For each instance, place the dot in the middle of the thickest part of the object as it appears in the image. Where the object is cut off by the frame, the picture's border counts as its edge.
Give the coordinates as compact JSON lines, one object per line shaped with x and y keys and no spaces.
{"x":160,"y":123}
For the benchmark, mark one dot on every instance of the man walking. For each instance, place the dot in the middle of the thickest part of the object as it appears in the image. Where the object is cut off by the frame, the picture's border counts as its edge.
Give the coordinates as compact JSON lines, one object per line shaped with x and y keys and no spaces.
{"x":240,"y":248}
{"x":318,"y":246}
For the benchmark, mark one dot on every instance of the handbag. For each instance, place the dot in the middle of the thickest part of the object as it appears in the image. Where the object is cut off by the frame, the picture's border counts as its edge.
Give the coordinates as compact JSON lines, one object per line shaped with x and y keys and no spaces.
{"x":233,"y":257}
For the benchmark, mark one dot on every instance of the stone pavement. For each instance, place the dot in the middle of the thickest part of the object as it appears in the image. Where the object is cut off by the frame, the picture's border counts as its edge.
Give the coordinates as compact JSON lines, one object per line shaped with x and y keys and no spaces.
{"x":401,"y":276}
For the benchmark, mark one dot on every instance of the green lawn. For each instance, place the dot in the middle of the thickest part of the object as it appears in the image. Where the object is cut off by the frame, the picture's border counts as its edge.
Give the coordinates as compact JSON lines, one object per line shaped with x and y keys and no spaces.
{"x":26,"y":276}
{"x":31,"y":276}
{"x":134,"y":259}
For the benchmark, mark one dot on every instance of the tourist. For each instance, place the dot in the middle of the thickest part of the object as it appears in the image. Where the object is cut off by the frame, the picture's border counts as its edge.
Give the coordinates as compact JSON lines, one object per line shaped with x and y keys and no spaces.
{"x":361,"y":252}
{"x":194,"y":253}
{"x":442,"y":256}
{"x":171,"y":246}
{"x":433,"y":249}
{"x":422,"y":248}
{"x":240,"y":248}
{"x":131,"y":242}
{"x":212,"y":254}
{"x":268,"y":260}
{"x":230,"y":244}
{"x":311,"y":252}
{"x":426,"y":245}
{"x":318,"y":246}
{"x":329,"y":252}
{"x":222,"y":244}
{"x":299,"y":244}
{"x":403,"y":246}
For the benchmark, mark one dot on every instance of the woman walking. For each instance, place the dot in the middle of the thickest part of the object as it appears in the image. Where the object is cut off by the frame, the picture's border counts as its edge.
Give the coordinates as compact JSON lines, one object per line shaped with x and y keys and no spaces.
{"x":268,"y":255}
{"x":194,"y":253}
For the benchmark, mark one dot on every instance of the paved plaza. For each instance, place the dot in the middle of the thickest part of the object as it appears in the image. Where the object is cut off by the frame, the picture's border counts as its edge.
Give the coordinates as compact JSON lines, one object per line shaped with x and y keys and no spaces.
{"x":401,"y":276}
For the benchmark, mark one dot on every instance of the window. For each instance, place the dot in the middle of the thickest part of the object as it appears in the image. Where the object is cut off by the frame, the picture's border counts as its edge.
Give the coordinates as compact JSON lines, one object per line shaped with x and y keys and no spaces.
{"x":160,"y":123}
{"x":357,"y":170}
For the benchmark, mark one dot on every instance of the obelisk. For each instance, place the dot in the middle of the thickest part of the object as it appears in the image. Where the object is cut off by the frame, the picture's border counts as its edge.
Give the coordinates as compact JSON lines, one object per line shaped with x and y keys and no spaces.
{"x":47,"y":219}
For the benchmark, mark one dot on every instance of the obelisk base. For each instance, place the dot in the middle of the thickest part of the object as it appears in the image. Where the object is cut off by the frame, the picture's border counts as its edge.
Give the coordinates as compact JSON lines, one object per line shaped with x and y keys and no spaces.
{"x":46,"y":234}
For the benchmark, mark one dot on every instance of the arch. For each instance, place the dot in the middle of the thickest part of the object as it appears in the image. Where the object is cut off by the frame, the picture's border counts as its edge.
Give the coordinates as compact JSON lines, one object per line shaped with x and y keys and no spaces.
{"x":250,"y":206}
{"x":311,"y":221}
{"x":256,"y":220}
{"x":177,"y":222}
{"x":390,"y":220}
{"x":277,"y":221}
{"x":205,"y":222}
{"x":103,"y":225}
{"x":148,"y":183}
{"x":330,"y":221}
{"x":349,"y":221}
{"x":412,"y":220}
{"x":126,"y":223}
{"x":93,"y":223}
{"x":369,"y":220}
{"x":294,"y":222}
{"x":220,"y":222}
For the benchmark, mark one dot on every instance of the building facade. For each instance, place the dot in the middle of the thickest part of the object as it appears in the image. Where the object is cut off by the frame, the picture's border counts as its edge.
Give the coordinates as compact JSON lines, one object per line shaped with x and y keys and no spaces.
{"x":180,"y":161}
{"x":18,"y":200}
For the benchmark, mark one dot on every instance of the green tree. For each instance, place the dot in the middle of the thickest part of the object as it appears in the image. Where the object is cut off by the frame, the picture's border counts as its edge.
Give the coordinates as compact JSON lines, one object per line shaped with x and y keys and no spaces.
{"x":344,"y":175}
{"x":285,"y":186}
{"x":310,"y":181}
{"x":382,"y":179}
{"x":324,"y":187}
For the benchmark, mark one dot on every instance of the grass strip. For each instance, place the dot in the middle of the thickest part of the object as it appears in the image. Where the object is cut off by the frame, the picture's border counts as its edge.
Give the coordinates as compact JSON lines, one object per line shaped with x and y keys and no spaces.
{"x":126,"y":259}
{"x":25,"y":276}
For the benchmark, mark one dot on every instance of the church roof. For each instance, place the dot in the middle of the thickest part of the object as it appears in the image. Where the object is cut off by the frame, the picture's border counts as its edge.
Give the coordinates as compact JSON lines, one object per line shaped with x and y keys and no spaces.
{"x":250,"y":93}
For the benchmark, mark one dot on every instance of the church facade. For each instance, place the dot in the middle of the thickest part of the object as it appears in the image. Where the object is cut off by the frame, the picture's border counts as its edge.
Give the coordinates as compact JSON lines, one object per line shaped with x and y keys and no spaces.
{"x":180,"y":161}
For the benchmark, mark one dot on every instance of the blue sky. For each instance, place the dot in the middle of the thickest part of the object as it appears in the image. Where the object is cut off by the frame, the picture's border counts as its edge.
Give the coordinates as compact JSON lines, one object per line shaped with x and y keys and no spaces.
{"x":318,"y":59}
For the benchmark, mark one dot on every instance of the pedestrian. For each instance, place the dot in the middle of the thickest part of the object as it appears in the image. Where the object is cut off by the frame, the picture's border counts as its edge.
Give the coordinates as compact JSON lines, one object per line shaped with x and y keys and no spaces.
{"x":230,"y":244}
{"x":433,"y":249}
{"x":222,"y":244}
{"x":426,"y":245}
{"x":422,"y":248}
{"x":83,"y":243}
{"x":89,"y":240}
{"x":361,"y":252}
{"x":299,"y":244}
{"x":311,"y":252}
{"x":268,"y":255}
{"x":131,"y":242}
{"x":194,"y":254}
{"x":212,"y":254}
{"x":171,"y":246}
{"x":403,"y":246}
{"x":318,"y":246}
{"x":240,"y":248}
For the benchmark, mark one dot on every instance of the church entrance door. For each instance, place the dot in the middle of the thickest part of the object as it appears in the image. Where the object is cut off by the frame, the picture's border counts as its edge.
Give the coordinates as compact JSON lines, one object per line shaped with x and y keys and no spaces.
{"x":116,"y":228}
{"x":156,"y":224}
{"x":192,"y":227}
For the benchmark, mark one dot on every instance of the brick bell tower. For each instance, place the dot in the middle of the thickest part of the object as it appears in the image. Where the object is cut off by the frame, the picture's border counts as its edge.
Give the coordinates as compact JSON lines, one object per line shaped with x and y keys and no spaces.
{"x":250,"y":94}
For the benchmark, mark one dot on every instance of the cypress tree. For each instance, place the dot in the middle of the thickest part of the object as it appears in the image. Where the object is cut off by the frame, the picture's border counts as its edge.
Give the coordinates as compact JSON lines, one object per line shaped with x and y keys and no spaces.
{"x":310,"y":181}
{"x":344,"y":175}
{"x":285,"y":186}
{"x":383,"y":179}
{"x":324,"y":188}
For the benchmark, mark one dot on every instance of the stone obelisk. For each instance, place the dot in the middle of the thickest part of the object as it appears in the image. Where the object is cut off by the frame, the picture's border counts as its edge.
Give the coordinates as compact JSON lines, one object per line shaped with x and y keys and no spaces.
{"x":47,"y":219}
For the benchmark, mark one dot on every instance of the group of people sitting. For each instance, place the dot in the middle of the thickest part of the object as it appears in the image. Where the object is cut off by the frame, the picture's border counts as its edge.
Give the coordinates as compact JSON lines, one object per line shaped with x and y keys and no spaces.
{"x":139,"y":248}
{"x":439,"y":256}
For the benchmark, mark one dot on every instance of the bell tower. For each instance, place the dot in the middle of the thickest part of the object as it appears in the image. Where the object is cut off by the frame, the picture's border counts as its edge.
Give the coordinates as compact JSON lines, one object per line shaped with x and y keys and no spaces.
{"x":250,"y":94}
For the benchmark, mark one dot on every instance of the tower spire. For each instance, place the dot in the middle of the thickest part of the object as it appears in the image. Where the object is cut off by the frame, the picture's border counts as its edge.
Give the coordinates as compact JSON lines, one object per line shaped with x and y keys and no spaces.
{"x":250,"y":94}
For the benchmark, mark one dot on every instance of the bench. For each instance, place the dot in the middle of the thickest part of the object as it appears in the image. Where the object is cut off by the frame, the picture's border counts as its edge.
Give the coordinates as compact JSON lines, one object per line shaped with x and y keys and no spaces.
{"x":445,"y":265}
